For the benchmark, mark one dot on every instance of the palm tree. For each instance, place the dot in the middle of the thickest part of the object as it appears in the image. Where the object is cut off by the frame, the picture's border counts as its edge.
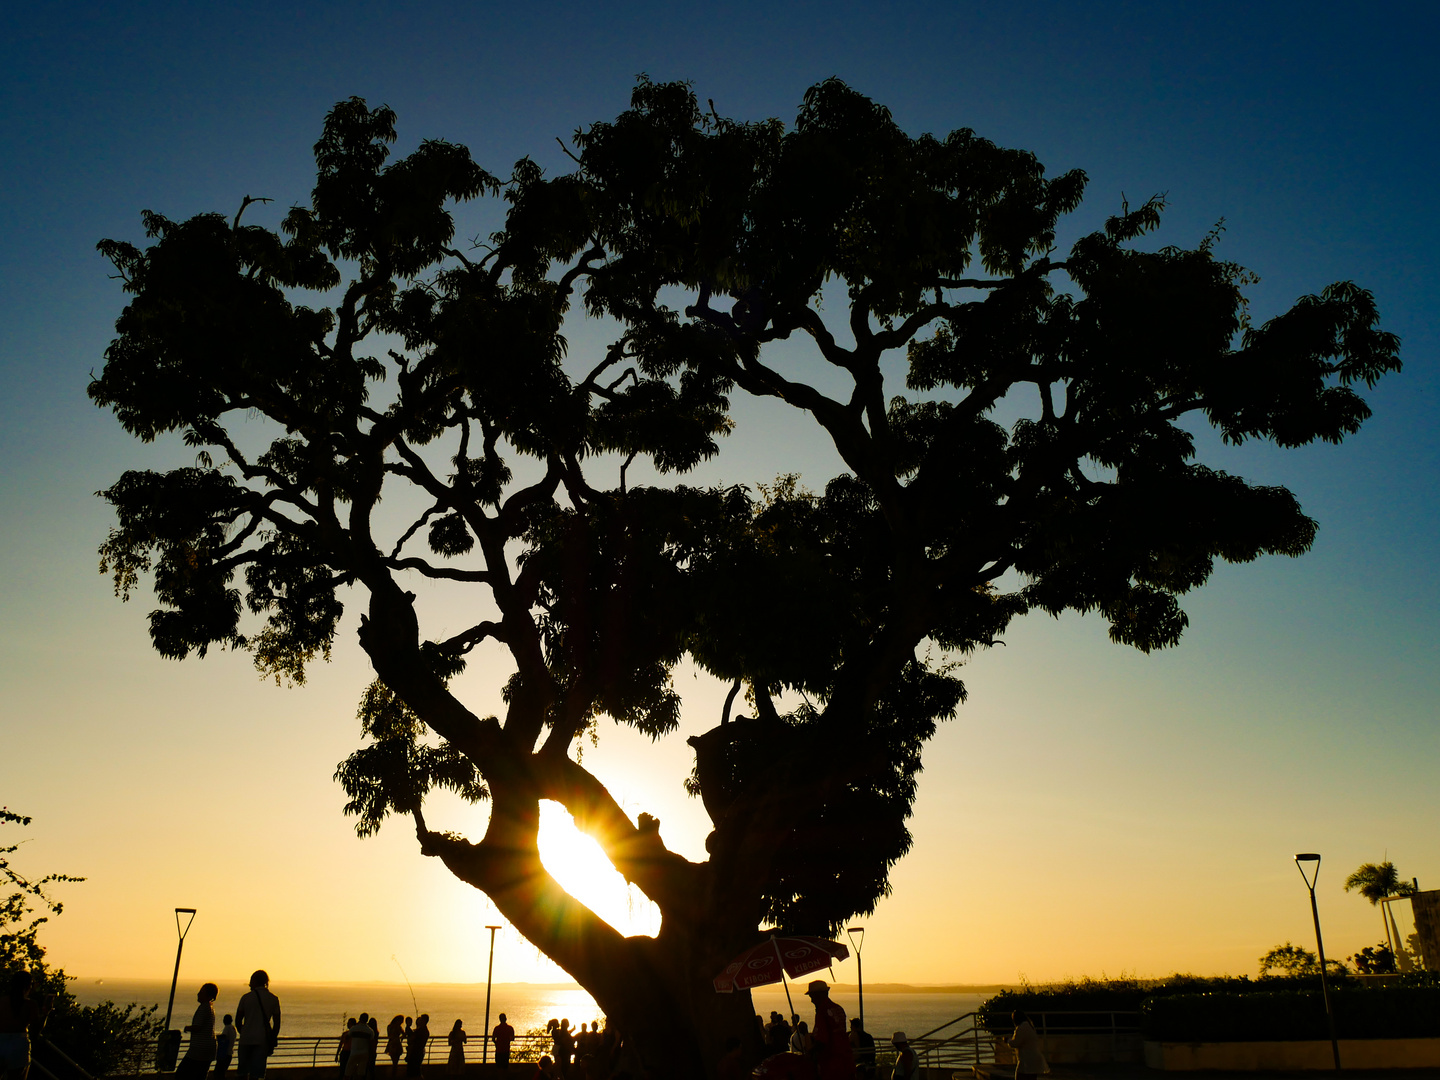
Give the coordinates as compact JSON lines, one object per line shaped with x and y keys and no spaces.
{"x":1376,"y":882}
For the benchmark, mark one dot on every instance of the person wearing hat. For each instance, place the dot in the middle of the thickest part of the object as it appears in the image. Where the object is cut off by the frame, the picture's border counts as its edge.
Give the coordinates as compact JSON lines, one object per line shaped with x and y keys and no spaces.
{"x":833,"y":1059}
{"x":907,"y":1062}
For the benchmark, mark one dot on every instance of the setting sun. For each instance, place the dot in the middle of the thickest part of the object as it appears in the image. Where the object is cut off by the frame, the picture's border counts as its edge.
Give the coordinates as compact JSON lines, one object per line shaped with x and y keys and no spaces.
{"x":585,"y":873}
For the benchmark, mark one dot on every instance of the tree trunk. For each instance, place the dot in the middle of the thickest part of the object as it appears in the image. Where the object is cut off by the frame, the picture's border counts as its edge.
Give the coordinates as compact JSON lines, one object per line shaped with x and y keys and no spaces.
{"x":657,"y":992}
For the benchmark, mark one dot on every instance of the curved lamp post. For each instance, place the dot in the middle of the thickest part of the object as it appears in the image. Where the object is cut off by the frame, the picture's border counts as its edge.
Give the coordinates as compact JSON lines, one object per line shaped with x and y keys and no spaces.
{"x":859,"y":971}
{"x":1301,"y":861}
{"x":168,"y":1050}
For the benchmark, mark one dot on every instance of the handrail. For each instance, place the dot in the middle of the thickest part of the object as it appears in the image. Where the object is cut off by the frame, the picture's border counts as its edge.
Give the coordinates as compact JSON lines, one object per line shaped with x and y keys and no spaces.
{"x":52,"y":1048}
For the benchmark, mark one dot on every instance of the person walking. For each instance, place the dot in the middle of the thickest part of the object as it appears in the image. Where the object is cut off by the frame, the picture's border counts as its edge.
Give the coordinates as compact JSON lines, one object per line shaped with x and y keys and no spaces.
{"x":394,"y":1045}
{"x":833,"y":1060}
{"x":201,"y":1051}
{"x":1029,"y":1061}
{"x":457,"y":1038}
{"x":907,"y":1062}
{"x":225,"y":1047}
{"x":503,"y":1035}
{"x":257,"y":1019}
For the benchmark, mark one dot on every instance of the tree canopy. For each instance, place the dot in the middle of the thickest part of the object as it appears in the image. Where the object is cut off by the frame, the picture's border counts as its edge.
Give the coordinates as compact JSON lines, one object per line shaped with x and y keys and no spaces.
{"x":922,"y":271}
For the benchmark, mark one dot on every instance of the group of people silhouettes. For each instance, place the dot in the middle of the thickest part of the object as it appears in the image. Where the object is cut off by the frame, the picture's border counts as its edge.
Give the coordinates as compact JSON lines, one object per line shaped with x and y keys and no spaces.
{"x":405,"y":1036}
{"x":249,"y":1035}
{"x":579,"y":1055}
{"x":795,"y":1050}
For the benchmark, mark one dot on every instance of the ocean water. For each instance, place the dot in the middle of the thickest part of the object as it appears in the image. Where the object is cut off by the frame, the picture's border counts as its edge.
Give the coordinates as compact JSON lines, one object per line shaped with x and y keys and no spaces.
{"x":318,"y":1009}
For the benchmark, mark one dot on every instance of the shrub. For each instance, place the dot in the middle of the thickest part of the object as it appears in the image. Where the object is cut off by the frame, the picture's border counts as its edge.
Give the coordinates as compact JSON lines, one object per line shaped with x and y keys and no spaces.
{"x":1393,"y":1012}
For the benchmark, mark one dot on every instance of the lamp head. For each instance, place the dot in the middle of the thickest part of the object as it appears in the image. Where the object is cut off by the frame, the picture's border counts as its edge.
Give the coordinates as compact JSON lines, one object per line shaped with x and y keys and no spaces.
{"x":1308,"y":860}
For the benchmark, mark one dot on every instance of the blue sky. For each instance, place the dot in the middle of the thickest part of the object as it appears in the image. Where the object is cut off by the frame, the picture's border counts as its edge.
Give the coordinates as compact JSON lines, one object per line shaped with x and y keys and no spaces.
{"x":1299,"y":712}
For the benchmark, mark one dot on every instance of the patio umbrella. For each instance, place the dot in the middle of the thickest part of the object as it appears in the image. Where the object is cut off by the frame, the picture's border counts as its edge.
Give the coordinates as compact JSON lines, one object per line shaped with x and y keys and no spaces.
{"x":770,"y":961}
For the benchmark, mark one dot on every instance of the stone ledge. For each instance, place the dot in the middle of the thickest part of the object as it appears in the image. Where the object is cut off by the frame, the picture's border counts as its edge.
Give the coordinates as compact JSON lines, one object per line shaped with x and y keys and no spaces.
{"x":1257,"y":1056}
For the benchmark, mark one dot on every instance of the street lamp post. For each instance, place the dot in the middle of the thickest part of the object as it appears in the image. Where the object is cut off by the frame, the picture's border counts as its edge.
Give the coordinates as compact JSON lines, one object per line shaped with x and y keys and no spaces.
{"x":859,"y":971}
{"x":168,"y":1050}
{"x":489,"y":973}
{"x":1300,"y":862}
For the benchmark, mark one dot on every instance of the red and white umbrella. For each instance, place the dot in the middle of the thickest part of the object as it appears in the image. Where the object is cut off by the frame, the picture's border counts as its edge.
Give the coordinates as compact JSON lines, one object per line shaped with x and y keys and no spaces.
{"x":770,"y":961}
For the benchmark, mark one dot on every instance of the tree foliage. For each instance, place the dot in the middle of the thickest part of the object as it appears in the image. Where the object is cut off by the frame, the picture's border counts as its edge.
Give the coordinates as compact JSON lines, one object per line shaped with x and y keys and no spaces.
{"x":100,"y":1038}
{"x":1378,"y":881}
{"x":1039,"y":456}
{"x":27,"y":908}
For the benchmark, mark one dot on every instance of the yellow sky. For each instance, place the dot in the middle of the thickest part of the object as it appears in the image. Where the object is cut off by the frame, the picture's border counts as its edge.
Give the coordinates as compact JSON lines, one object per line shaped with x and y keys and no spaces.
{"x":1091,"y":812}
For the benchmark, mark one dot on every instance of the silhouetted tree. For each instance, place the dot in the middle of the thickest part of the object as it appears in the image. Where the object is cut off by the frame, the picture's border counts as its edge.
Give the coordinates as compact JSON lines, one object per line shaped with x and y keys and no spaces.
{"x":100,"y":1038}
{"x":696,"y":241}
{"x":1377,"y":882}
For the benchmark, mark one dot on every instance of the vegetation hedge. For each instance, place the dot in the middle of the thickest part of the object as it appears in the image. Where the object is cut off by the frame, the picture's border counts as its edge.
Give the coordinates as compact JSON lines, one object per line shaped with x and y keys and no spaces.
{"x":1402,"y":1012}
{"x":1186,"y":1008}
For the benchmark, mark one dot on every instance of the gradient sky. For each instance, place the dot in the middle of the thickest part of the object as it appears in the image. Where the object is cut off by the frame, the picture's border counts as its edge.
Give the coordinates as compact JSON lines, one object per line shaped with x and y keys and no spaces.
{"x":1091,"y":811}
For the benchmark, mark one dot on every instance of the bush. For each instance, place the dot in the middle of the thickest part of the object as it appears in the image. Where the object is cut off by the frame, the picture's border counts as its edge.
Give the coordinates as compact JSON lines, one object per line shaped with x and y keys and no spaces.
{"x":105,"y":1039}
{"x":1390,"y":1013}
{"x":1121,"y":995}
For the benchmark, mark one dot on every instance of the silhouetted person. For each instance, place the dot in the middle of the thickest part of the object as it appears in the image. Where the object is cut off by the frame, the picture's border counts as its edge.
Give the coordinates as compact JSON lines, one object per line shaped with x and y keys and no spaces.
{"x":342,"y":1052}
{"x":225,"y":1047}
{"x":21,"y":1009}
{"x":564,"y":1047}
{"x":457,"y":1038}
{"x":362,"y":1048}
{"x":907,"y":1062}
{"x":394,"y":1042}
{"x":374,"y":1048}
{"x":415,"y":1053}
{"x":257,"y":1019}
{"x":1029,"y":1061}
{"x":777,"y":1034}
{"x":503,"y":1035}
{"x":800,"y":1041}
{"x":833,"y":1060}
{"x":201,"y":1051}
{"x":862,"y":1048}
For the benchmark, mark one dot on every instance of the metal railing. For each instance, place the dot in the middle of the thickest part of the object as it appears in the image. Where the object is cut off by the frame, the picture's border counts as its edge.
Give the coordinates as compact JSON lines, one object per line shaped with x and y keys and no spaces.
{"x":320,"y":1051}
{"x":971,"y":1042}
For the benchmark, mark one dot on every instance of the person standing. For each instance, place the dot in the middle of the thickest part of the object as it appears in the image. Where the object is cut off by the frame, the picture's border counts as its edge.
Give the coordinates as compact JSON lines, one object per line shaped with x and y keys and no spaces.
{"x":362,"y":1048}
{"x":394,"y":1045}
{"x":563,"y":1047}
{"x":201,"y":1051}
{"x":257,"y":1019}
{"x":415,"y":1052}
{"x":833,"y":1060}
{"x":503,"y":1035}
{"x":862,"y":1048}
{"x":800,"y":1041}
{"x":224,"y":1047}
{"x":777,"y":1034}
{"x":1029,"y":1061}
{"x":342,"y":1052}
{"x":907,"y":1062}
{"x":20,"y":1010}
{"x":457,"y":1038}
